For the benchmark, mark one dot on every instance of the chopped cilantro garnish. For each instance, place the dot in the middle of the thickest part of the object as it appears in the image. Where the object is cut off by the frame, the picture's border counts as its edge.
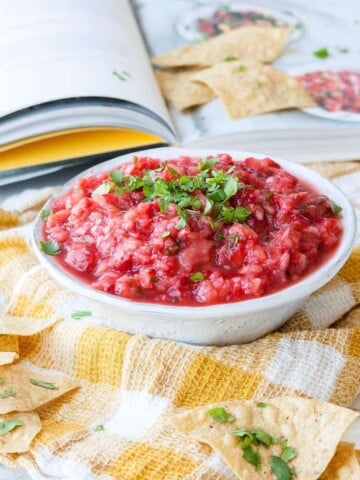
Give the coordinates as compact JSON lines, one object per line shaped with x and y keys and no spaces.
{"x":7,"y":426}
{"x":336,"y":209}
{"x":231,"y":215}
{"x":47,"y":385}
{"x":252,"y":456}
{"x":262,"y":405}
{"x":8,"y":392}
{"x":288,"y":453}
{"x":268,"y":196}
{"x":117,"y":177}
{"x":50,"y":248}
{"x":280,"y":469}
{"x":99,"y":428}
{"x":207,"y":163}
{"x":246,"y":437}
{"x":230,"y":187}
{"x":44,"y":214}
{"x":187,"y":193}
{"x":196,"y":277}
{"x":123,"y":76}
{"x":242,"y":68}
{"x":322,"y":53}
{"x":219,"y":414}
{"x":78,"y":314}
{"x":230,"y":58}
{"x":262,"y":437}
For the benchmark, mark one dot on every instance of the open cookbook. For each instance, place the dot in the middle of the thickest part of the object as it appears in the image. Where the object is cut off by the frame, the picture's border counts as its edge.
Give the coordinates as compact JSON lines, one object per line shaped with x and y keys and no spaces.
{"x":87,"y":80}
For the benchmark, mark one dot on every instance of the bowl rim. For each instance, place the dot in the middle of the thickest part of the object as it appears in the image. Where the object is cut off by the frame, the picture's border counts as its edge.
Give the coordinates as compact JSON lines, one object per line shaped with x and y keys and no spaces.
{"x":297,"y":291}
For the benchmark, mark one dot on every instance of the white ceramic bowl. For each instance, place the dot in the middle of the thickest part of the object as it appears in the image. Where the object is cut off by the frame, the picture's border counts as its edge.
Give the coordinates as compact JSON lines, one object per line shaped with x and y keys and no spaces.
{"x":221,"y":324}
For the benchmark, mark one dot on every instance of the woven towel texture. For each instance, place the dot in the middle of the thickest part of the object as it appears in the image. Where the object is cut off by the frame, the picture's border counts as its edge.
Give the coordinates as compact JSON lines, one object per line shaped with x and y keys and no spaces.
{"x":132,"y":385}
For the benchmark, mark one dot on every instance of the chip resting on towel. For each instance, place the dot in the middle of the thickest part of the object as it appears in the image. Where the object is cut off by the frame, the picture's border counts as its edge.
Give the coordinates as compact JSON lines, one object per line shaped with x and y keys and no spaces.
{"x":179,"y":90}
{"x":23,"y":390}
{"x":277,"y":438}
{"x":344,"y":465}
{"x":17,"y":431}
{"x":248,"y":89}
{"x":263,"y":44}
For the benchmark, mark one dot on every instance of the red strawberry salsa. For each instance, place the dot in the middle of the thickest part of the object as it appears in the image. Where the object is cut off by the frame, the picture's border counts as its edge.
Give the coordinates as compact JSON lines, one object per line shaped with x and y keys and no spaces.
{"x":334,"y":91}
{"x":191,"y":231}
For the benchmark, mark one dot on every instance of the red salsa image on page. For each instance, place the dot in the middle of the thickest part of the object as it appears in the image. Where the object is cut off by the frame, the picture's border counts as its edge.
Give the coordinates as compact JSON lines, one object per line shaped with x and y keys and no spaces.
{"x":334,"y":90}
{"x":191,"y":231}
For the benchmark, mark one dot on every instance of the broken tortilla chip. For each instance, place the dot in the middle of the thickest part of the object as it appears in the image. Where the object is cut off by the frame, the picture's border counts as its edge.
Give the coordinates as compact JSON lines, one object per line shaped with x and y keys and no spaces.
{"x":24,"y":326}
{"x":179,"y":90}
{"x":8,"y":219}
{"x":344,"y":465}
{"x":248,"y":89}
{"x":263,"y":44}
{"x":254,"y":438}
{"x":21,"y":428}
{"x":23,"y":390}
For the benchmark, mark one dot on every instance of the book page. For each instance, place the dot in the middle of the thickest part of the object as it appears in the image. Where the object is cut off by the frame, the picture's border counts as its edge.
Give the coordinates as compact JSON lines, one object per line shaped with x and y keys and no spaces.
{"x":67,"y":49}
{"x":325,"y":37}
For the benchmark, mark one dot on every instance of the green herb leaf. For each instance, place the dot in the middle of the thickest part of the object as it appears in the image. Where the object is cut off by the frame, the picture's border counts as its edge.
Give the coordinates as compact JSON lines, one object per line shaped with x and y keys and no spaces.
{"x":44,"y":214}
{"x":252,"y":456}
{"x":280,"y":469}
{"x":7,"y":426}
{"x":322,"y":53}
{"x":268,"y":196}
{"x":8,"y":392}
{"x":50,"y":248}
{"x":40,"y":383}
{"x":99,"y":428}
{"x":262,"y":405}
{"x":288,"y":453}
{"x":196,"y":277}
{"x":219,"y":414}
{"x":207,"y":163}
{"x":123,"y":76}
{"x":262,"y":437}
{"x":230,"y":187}
{"x":78,"y":314}
{"x":117,"y":177}
{"x":246,"y":437}
{"x":336,"y":209}
{"x":165,"y":234}
{"x":102,"y":189}
{"x":230,"y":58}
{"x":242,"y":68}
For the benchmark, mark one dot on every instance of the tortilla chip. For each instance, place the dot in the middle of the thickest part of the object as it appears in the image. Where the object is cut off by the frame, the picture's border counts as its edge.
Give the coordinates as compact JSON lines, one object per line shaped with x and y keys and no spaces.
{"x":344,"y":465}
{"x":248,"y":89}
{"x":8,"y":219}
{"x":312,"y":427}
{"x":24,"y":326}
{"x":18,"y":393}
{"x":178,"y":89}
{"x":19,"y":439}
{"x":263,"y":44}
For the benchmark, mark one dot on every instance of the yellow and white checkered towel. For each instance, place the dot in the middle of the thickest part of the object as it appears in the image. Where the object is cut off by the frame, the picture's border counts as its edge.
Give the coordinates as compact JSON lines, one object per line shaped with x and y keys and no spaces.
{"x":131,"y":385}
